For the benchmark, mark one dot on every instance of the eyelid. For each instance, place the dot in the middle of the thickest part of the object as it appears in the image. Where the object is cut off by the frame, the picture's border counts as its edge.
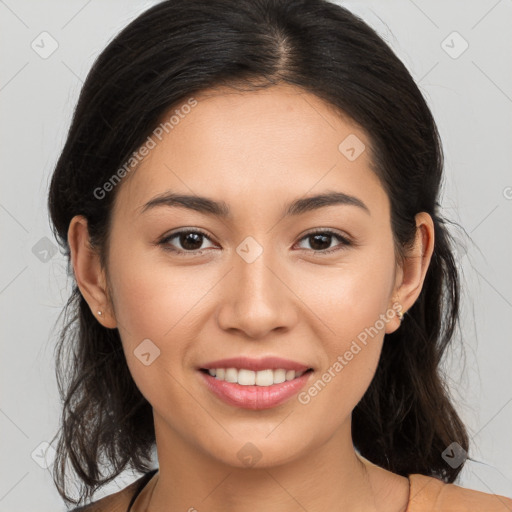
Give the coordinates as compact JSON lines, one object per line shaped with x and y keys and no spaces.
{"x":331,"y":231}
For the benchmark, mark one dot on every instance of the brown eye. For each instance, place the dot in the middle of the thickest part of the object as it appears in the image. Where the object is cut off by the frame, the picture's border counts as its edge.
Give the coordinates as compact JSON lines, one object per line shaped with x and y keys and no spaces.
{"x":320,"y":241}
{"x":190,"y":241}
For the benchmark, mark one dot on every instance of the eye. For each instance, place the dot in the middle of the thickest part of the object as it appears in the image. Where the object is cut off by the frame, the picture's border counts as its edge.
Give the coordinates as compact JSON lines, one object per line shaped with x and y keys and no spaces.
{"x":190,"y":240}
{"x":321,"y":241}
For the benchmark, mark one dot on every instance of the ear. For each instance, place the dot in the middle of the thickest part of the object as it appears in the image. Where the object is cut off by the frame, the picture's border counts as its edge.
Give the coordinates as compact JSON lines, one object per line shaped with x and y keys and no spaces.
{"x":411,"y":275}
{"x":89,"y":275}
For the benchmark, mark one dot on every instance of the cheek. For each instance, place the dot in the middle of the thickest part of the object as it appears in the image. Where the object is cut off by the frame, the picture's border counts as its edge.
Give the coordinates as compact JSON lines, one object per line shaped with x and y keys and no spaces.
{"x":353,"y":302}
{"x":155,"y":303}
{"x":349,"y":297}
{"x":152,"y":299}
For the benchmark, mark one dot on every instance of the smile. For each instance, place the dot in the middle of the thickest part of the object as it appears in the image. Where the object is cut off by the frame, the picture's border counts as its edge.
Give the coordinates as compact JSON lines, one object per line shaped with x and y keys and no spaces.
{"x":255,"y":396}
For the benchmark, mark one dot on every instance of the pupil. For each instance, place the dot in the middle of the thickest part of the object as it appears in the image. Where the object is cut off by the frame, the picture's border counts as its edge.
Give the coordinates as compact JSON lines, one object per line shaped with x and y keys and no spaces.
{"x":323,"y":238}
{"x":185,"y":238}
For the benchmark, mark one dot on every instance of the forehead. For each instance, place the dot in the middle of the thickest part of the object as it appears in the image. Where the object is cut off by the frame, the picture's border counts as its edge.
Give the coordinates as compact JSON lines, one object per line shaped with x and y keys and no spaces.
{"x":254,"y":145}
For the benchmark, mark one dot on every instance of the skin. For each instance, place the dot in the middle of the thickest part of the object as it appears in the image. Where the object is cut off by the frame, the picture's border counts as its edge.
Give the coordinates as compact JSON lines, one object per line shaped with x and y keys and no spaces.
{"x":257,"y":151}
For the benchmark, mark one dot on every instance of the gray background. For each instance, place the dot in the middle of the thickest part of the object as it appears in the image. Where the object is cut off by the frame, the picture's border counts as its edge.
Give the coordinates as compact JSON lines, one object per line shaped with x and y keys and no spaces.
{"x":470,"y":94}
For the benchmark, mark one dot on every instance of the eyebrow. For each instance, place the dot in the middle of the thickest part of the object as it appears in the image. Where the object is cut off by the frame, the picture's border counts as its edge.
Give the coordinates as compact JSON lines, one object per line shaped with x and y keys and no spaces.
{"x":220,"y":209}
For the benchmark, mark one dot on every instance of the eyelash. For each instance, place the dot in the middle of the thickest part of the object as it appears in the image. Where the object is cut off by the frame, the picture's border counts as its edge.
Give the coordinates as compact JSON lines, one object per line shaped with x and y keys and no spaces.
{"x":165,"y":242}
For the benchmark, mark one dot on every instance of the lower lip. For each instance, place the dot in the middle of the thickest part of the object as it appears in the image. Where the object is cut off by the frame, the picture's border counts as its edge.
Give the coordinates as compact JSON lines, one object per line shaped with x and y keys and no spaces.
{"x":255,"y":397}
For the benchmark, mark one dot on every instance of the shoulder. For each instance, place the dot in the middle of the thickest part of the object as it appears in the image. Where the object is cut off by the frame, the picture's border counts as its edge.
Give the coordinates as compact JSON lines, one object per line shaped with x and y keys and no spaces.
{"x":429,"y":494}
{"x":118,"y":501}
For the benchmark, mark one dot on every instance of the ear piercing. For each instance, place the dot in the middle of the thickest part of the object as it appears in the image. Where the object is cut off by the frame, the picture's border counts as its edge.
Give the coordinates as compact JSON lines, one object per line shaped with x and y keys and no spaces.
{"x":99,"y":313}
{"x":400,"y":315}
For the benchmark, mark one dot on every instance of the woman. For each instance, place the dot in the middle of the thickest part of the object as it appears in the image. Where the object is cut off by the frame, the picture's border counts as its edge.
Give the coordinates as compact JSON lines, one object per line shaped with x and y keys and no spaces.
{"x":264,"y":286}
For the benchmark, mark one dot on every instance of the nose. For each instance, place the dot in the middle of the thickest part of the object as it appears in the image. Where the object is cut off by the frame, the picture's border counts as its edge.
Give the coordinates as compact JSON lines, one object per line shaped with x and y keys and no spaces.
{"x":257,"y":298}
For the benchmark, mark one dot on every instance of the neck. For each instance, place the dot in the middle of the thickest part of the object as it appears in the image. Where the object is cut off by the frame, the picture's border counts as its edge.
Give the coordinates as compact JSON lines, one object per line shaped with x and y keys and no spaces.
{"x":330,"y":476}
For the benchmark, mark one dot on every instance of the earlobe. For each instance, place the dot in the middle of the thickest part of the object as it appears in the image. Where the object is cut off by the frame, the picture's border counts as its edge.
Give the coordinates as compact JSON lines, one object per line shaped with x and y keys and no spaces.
{"x":88,"y":272}
{"x":397,"y":315}
{"x":414,"y":269}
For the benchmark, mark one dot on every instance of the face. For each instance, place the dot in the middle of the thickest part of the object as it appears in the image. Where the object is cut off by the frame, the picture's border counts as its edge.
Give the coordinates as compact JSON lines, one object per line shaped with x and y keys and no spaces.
{"x":313,"y":286}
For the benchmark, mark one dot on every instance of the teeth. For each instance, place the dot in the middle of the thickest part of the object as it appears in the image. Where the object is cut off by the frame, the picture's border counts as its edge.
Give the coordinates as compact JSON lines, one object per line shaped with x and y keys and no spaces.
{"x":231,"y":375}
{"x":264,"y":378}
{"x":279,"y":376}
{"x":246,"y":377}
{"x":250,"y":378}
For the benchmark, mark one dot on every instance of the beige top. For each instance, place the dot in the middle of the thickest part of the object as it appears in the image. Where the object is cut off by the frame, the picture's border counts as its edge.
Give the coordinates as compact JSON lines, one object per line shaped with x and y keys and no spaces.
{"x":426,"y":494}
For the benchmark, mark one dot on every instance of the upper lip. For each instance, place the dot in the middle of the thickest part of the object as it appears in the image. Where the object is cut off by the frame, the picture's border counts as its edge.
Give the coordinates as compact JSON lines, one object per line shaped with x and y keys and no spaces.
{"x":264,"y":363}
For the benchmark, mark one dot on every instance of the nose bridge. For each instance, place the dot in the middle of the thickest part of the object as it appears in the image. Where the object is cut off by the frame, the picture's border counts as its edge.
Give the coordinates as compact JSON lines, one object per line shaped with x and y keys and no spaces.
{"x":255,"y":279}
{"x":255,"y":301}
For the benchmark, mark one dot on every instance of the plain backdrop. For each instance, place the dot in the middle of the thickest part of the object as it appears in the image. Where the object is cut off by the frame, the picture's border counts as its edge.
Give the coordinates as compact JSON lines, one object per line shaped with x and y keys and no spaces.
{"x":459,"y":54}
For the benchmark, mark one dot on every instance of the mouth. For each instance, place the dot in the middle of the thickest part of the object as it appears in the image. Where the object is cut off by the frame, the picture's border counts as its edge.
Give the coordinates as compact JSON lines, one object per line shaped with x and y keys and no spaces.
{"x":256,"y":390}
